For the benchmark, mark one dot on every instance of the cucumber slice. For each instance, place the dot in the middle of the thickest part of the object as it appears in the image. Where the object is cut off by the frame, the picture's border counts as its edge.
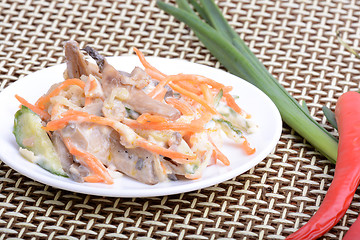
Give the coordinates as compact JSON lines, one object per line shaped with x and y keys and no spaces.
{"x":30,"y":135}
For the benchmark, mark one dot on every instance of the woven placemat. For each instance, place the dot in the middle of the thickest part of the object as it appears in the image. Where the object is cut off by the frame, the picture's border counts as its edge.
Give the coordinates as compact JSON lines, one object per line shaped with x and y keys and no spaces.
{"x":296,"y":40}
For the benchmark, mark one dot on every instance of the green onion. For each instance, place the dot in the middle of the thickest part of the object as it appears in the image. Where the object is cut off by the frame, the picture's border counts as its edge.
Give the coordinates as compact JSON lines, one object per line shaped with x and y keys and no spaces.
{"x":231,"y":51}
{"x":330,"y":116}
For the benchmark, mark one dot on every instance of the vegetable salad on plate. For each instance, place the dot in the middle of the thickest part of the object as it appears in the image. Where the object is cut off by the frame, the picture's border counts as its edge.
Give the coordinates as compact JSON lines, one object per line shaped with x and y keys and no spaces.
{"x":101,"y":123}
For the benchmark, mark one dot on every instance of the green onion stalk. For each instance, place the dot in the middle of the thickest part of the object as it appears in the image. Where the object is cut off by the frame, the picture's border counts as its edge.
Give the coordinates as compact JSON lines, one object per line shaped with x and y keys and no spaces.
{"x":212,"y":29}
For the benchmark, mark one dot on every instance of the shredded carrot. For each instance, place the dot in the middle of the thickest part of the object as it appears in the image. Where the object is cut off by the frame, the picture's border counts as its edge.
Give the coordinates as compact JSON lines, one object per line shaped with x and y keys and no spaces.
{"x":246,"y":147}
{"x":194,"y":97}
{"x":163,"y":167}
{"x":231,"y":103}
{"x":160,"y":87}
{"x":219,"y":154}
{"x":145,"y":63}
{"x":88,"y":100}
{"x":146,"y":117}
{"x":93,"y":84}
{"x":43,"y":115}
{"x":59,"y":123}
{"x":93,"y":179}
{"x":176,"y":156}
{"x":44,"y":99}
{"x":190,"y":87}
{"x":227,"y":89}
{"x":91,"y":161}
{"x":155,"y":75}
{"x":192,"y":176}
{"x":197,"y":79}
{"x":204,"y":118}
{"x":161,"y":95}
{"x":182,"y":106}
{"x":213,"y":158}
{"x":207,"y":94}
{"x":56,"y":110}
{"x":192,"y":127}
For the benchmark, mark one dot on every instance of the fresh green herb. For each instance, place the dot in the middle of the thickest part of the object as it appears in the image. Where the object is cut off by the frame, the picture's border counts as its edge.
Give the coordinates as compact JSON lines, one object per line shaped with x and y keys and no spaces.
{"x":330,"y":116}
{"x":225,"y":44}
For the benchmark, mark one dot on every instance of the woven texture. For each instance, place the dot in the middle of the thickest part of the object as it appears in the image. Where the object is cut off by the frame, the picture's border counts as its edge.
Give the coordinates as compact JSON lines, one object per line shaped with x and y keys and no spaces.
{"x":296,"y":40}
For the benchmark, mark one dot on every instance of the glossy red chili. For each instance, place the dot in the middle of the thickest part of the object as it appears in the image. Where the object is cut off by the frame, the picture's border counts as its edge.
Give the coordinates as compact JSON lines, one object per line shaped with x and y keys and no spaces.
{"x":347,"y":171}
{"x":354,"y":231}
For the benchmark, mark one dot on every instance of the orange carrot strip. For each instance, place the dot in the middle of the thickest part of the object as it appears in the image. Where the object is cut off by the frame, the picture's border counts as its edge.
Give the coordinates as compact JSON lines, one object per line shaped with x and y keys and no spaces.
{"x":88,"y":100}
{"x":194,"y":97}
{"x":204,"y":118}
{"x":44,"y":99}
{"x":43,"y":115}
{"x":155,"y":75}
{"x":93,"y":85}
{"x":145,"y":63}
{"x":164,"y":126}
{"x":246,"y":147}
{"x":227,"y":89}
{"x":91,"y":161}
{"x":219,"y":154}
{"x":56,"y":109}
{"x":146,"y":117}
{"x":182,"y":106}
{"x":93,"y":179}
{"x":189,"y":87}
{"x":176,"y":156}
{"x":207,"y":94}
{"x":198,"y":79}
{"x":163,"y":167}
{"x":231,"y":103}
{"x":213,"y":158}
{"x":161,"y":95}
{"x":160,"y":87}
{"x":59,"y":123}
{"x":192,"y":176}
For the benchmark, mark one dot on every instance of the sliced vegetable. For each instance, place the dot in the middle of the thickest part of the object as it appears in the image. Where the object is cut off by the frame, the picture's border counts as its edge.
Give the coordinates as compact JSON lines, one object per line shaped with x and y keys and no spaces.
{"x":347,"y":171}
{"x":225,"y":44}
{"x":30,"y":135}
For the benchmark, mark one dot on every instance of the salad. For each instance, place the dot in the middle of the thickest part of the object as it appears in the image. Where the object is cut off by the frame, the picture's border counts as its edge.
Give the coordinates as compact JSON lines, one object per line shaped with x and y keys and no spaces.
{"x":100,"y":123}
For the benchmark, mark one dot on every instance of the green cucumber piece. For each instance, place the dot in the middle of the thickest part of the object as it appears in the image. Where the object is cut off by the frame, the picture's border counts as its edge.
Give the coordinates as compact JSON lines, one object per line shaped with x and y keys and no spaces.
{"x":30,"y":135}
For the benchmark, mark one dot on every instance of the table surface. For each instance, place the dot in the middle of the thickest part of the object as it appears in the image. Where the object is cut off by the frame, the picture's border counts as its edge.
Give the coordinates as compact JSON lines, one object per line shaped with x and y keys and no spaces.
{"x":297,"y":42}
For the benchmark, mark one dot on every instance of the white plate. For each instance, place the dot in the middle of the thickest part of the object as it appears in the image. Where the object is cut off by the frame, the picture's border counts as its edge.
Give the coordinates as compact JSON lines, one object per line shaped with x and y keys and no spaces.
{"x":252,"y":100}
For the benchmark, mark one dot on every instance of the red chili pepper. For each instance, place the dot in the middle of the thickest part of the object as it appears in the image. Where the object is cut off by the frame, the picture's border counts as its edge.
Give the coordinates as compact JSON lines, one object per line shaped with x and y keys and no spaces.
{"x":347,"y":171}
{"x":354,"y":231}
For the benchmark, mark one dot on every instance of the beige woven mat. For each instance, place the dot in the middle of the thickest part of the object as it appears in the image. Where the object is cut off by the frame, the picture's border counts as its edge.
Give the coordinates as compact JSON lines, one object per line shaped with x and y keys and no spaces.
{"x":297,"y":42}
